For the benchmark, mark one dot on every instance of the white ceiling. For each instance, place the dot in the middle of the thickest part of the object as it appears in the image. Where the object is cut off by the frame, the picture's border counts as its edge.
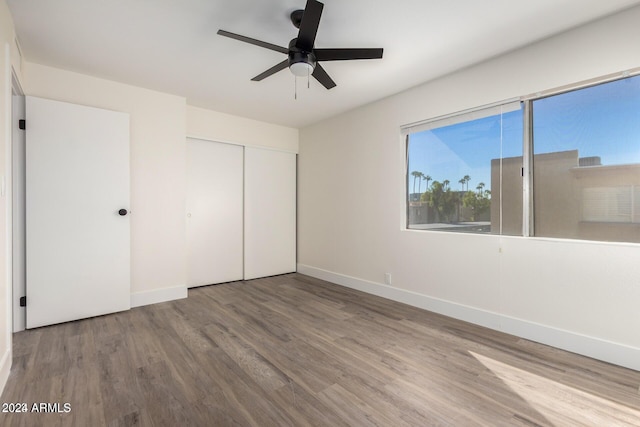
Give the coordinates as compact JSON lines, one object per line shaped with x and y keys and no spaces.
{"x":172,"y":46}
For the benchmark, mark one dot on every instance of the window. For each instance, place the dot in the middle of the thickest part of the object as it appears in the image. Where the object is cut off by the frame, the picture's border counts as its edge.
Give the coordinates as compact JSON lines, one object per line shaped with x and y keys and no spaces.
{"x":586,"y":163}
{"x":609,"y":204}
{"x":464,"y":172}
{"x":581,"y":162}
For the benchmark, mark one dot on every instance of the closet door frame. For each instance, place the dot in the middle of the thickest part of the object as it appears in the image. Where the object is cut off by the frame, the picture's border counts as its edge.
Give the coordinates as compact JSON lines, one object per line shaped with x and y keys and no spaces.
{"x":268,"y":217}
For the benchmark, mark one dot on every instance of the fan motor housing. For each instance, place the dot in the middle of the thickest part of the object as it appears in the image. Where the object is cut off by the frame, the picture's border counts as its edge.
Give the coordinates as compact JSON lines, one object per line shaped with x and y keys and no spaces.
{"x":296,"y":56}
{"x":296,"y":17}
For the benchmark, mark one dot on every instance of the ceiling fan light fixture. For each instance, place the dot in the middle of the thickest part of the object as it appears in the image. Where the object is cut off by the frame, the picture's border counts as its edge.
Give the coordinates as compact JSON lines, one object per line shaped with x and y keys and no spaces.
{"x":303,"y":57}
{"x":301,"y":69}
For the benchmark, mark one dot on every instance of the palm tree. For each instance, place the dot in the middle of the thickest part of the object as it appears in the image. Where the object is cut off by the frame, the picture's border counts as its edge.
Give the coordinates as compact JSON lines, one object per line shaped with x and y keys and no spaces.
{"x":480,"y":187}
{"x":415,"y":175}
{"x":445,"y":184}
{"x":426,"y":178}
{"x":467,"y":178}
{"x":462,"y":181}
{"x":420,"y":181}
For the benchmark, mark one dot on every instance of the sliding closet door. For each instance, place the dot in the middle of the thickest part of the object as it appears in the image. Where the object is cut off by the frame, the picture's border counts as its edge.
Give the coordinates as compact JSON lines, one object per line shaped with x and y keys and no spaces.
{"x":214,"y":212}
{"x":270,"y":213}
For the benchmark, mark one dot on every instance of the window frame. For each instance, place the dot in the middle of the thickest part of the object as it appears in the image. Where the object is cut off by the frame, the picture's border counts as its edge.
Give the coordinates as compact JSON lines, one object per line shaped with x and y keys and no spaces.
{"x":468,"y":115}
{"x":528,"y":220}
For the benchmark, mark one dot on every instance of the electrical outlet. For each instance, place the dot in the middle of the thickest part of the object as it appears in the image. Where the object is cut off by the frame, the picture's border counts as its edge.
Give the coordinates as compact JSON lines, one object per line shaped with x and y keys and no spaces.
{"x":387,"y":278}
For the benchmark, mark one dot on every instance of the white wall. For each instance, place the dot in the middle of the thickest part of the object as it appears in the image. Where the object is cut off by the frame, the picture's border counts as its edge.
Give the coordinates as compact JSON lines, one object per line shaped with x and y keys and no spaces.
{"x":158,"y":239}
{"x":582,"y":296}
{"x":8,"y":57}
{"x":160,"y":124}
{"x":221,"y":127}
{"x":159,"y":127}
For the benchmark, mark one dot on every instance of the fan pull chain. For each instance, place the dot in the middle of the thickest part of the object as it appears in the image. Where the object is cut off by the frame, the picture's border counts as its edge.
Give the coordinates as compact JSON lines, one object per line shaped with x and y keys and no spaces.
{"x":295,"y":88}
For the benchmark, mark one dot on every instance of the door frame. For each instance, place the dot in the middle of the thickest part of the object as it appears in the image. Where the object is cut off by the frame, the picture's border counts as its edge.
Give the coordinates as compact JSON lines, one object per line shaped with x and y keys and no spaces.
{"x":16,"y":167}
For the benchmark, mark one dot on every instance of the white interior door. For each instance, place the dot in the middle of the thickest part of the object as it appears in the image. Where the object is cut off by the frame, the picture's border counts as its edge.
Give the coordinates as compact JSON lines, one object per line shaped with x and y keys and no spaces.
{"x":214,"y":212}
{"x":77,"y":242}
{"x":270,"y":213}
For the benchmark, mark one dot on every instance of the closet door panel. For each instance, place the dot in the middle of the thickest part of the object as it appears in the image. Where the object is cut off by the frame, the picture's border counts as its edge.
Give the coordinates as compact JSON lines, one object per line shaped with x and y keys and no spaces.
{"x":270,"y":213}
{"x":214,"y":212}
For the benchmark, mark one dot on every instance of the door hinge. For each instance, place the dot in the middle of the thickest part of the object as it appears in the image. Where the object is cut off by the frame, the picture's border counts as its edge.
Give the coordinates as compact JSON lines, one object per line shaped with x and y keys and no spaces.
{"x":22,"y":124}
{"x":23,"y":301}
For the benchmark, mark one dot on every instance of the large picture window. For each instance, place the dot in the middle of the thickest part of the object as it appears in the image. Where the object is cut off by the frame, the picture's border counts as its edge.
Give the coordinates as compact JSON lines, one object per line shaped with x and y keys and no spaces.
{"x":464,"y":172}
{"x":574,"y":155}
{"x":586,"y":163}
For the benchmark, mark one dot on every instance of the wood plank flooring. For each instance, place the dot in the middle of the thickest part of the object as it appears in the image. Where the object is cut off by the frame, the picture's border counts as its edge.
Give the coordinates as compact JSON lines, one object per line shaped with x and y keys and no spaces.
{"x":295,"y":351}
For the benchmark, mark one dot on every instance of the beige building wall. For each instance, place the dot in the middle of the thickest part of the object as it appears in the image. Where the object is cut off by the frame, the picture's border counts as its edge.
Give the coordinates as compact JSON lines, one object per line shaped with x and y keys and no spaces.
{"x":509,"y":197}
{"x":559,"y":185}
{"x":627,"y":176}
{"x":555,"y":197}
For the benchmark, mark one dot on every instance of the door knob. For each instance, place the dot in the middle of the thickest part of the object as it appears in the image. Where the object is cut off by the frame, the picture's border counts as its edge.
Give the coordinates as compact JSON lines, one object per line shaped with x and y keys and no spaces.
{"x":122,"y":212}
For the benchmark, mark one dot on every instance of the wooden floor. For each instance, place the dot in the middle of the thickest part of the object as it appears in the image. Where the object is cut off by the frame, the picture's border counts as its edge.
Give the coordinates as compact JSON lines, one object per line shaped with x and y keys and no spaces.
{"x":296,"y":351}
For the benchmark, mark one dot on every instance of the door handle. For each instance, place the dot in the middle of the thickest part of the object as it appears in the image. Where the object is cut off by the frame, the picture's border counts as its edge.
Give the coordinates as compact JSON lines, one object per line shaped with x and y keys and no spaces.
{"x":122,"y":212}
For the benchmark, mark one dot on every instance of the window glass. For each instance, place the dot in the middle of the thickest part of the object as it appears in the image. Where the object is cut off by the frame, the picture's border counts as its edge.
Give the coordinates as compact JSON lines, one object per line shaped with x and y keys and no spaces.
{"x":586,"y":146}
{"x":465,"y":176}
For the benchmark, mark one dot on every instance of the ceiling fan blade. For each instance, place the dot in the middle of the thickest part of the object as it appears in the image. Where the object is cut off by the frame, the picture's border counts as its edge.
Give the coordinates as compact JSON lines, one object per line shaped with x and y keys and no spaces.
{"x":281,"y":66}
{"x":347,"y":54}
{"x":321,"y":75}
{"x":309,"y":25}
{"x":253,"y":41}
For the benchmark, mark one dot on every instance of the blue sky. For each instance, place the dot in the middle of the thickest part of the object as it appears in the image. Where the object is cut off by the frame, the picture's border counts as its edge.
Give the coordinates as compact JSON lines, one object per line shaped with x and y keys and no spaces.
{"x":454,"y":151}
{"x":602,"y":120}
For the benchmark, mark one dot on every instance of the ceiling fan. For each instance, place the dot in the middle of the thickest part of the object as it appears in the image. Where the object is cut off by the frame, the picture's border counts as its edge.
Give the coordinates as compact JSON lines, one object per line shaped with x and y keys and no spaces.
{"x":302,"y":56}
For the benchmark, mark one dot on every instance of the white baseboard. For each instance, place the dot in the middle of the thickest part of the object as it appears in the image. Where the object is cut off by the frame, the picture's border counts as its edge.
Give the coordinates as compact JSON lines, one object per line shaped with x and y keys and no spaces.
{"x":139,"y":299}
{"x":596,"y":348}
{"x":5,"y":368}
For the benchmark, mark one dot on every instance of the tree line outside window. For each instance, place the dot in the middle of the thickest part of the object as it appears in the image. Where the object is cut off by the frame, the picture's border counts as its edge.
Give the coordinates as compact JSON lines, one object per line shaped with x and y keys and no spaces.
{"x":447,"y":201}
